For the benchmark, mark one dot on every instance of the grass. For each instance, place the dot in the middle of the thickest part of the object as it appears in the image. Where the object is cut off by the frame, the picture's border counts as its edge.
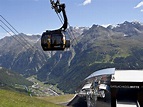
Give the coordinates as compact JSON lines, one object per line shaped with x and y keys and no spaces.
{"x":58,"y":99}
{"x":13,"y":99}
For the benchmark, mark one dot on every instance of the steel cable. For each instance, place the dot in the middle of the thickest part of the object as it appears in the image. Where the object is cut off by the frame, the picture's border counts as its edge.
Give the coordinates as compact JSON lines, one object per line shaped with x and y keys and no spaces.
{"x":21,"y":38}
{"x":13,"y":36}
{"x":71,"y":34}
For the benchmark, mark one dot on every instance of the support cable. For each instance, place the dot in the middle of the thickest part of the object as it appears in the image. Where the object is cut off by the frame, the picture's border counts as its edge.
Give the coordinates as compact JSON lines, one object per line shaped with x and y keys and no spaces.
{"x":24,"y":40}
{"x":24,"y":43}
{"x":13,"y":37}
{"x":17,"y":38}
{"x":71,"y":34}
{"x":56,"y":7}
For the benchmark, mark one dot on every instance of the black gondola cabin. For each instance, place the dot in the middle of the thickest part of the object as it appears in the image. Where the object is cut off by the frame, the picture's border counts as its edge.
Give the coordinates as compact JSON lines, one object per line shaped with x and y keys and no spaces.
{"x":54,"y":40}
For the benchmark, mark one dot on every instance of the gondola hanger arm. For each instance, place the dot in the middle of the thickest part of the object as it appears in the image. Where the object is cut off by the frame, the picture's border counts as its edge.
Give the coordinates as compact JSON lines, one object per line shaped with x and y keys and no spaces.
{"x":58,"y":7}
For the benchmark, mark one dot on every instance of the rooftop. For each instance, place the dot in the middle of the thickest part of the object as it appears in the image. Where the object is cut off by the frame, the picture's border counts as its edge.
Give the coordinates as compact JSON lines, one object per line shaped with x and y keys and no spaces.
{"x":128,"y":76}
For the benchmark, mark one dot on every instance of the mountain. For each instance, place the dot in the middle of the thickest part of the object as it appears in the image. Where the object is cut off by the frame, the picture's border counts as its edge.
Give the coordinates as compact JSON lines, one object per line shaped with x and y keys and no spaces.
{"x":129,"y":28}
{"x":22,"y":54}
{"x":11,"y":79}
{"x":95,"y":48}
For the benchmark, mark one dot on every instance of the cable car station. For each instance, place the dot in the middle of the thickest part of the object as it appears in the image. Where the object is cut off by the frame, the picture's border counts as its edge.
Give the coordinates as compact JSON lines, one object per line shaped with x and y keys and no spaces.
{"x":127,"y":88}
{"x":110,"y":88}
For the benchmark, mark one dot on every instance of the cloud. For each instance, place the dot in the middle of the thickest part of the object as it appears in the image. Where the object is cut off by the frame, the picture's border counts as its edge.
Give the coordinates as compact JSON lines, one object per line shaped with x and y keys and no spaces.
{"x":139,"y":5}
{"x":141,"y":10}
{"x":86,"y":2}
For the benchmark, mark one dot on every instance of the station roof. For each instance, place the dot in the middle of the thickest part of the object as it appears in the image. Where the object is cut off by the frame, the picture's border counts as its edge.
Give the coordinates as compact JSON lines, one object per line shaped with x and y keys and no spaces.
{"x":128,"y":76}
{"x":108,"y":71}
{"x":87,"y":82}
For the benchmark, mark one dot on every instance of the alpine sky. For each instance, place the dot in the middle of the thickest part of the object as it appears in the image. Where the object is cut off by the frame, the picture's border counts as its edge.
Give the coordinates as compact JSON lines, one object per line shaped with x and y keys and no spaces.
{"x":36,"y":16}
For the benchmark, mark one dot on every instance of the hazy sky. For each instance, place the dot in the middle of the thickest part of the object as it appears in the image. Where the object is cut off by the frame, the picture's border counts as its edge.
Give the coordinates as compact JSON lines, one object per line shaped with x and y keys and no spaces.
{"x":35,"y":16}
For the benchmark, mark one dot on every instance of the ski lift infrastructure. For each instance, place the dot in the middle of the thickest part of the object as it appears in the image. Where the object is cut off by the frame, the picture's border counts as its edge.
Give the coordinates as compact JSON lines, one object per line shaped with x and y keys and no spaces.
{"x":56,"y":39}
{"x":51,"y":40}
{"x":110,"y":88}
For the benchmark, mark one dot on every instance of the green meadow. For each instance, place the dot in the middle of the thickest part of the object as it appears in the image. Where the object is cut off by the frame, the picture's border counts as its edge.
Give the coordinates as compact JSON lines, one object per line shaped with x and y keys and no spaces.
{"x":14,"y":99}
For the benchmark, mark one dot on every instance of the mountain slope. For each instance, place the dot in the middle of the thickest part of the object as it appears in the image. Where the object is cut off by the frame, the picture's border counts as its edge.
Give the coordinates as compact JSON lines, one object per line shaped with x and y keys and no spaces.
{"x":98,"y":47}
{"x":10,"y":79}
{"x":24,"y":57}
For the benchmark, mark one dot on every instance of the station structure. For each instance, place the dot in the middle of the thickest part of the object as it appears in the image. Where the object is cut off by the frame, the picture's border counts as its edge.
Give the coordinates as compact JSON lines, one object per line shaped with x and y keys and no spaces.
{"x":127,"y":88}
{"x":111,"y":88}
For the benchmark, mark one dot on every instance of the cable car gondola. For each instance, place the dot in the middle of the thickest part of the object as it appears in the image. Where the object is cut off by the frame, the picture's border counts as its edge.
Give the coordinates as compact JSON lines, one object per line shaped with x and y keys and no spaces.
{"x":56,"y":39}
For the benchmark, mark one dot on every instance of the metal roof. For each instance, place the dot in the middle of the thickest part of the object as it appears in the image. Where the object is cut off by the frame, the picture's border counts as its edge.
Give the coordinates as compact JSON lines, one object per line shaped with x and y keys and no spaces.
{"x":96,"y":77}
{"x":128,"y":76}
{"x":108,"y":71}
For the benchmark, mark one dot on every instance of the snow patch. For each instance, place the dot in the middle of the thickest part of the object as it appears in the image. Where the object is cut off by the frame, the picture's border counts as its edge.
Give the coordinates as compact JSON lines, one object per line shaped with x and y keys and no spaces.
{"x":125,"y":35}
{"x":111,"y":26}
{"x":31,"y":58}
{"x":135,"y":22}
{"x":106,"y":25}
